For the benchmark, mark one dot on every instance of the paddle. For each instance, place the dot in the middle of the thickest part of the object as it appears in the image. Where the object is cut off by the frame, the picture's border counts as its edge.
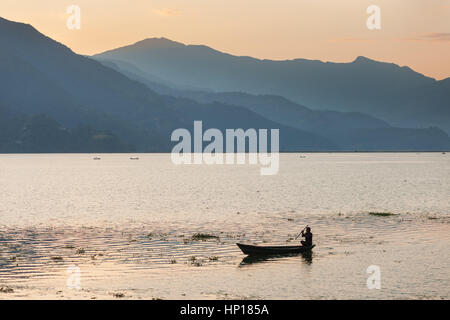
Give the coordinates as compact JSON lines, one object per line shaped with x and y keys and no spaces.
{"x":301,"y":232}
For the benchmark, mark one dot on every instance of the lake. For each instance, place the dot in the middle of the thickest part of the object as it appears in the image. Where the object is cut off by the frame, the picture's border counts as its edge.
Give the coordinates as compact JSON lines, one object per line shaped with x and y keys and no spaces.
{"x":76,"y":228}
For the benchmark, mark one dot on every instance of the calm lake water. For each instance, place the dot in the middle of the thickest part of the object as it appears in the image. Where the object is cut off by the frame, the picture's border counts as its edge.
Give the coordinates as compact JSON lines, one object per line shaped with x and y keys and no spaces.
{"x":128,"y":226}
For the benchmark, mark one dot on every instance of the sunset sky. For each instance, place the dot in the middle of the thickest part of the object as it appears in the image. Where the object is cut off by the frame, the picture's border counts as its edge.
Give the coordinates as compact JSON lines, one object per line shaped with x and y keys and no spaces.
{"x":415,"y":33}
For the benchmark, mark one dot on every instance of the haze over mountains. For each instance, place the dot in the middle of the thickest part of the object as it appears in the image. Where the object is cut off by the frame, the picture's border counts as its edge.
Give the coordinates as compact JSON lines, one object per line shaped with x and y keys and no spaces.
{"x":54,"y":100}
{"x":348,"y":130}
{"x":40,"y":76}
{"x":396,"y":94}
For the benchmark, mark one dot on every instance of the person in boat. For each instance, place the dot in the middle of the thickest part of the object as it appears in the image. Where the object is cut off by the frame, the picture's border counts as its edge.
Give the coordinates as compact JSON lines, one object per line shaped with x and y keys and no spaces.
{"x":308,"y":237}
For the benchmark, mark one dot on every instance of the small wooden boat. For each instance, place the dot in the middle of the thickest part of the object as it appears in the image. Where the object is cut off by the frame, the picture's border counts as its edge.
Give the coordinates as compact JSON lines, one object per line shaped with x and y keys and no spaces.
{"x":273,"y":250}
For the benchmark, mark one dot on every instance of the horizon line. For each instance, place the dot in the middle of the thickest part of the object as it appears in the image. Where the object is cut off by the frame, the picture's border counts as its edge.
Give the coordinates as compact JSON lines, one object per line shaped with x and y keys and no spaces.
{"x":227,"y":53}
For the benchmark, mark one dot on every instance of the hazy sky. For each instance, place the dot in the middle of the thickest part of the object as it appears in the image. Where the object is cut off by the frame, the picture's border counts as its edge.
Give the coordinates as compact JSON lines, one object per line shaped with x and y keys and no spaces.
{"x":413,"y":32}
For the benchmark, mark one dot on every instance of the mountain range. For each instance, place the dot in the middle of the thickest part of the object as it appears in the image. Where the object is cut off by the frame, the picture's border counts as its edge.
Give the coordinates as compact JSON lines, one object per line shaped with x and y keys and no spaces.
{"x":396,"y":94}
{"x":54,"y":100}
{"x":348,"y":130}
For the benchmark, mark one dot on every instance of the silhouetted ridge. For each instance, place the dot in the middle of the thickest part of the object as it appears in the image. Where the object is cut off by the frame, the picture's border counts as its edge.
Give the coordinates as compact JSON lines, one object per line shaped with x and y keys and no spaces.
{"x":39,"y":76}
{"x":380,"y":89}
{"x":349,"y":130}
{"x":362,"y":59}
{"x":57,"y":101}
{"x":159,"y":43}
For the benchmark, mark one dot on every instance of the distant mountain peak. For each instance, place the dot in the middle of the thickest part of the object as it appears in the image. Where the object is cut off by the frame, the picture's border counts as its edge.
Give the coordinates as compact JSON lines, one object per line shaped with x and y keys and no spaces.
{"x":159,"y":43}
{"x":362,"y":59}
{"x":148,"y":44}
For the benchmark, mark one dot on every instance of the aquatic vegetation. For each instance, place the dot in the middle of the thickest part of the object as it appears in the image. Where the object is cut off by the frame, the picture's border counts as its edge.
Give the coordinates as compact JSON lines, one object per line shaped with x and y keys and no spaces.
{"x":118,"y":295}
{"x":57,"y":258}
{"x":195,"y":262}
{"x":203,"y":237}
{"x":213,"y":258}
{"x":81,"y":251}
{"x":5,"y":289}
{"x":153,"y":235}
{"x":173,"y":261}
{"x":382,"y":214}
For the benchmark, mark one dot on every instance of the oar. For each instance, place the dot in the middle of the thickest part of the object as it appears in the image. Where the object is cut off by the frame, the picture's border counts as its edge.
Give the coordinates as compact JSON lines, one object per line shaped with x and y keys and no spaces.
{"x":300,"y":232}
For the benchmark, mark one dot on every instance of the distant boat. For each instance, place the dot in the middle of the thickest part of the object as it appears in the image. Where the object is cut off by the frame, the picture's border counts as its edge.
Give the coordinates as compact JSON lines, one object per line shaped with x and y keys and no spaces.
{"x":273,"y":250}
{"x":97,"y":158}
{"x":134,"y":158}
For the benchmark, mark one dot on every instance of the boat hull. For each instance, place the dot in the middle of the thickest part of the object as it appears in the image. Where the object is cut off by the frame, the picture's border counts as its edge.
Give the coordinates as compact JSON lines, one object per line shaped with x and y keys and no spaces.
{"x":273,"y":250}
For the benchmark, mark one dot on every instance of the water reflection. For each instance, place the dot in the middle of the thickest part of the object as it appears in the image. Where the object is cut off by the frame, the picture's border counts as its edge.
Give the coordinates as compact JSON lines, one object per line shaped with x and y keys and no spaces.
{"x":306,"y":257}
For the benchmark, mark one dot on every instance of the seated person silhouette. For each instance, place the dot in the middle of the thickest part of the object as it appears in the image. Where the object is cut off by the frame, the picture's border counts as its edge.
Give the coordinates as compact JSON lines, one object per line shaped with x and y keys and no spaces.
{"x":308,"y":237}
